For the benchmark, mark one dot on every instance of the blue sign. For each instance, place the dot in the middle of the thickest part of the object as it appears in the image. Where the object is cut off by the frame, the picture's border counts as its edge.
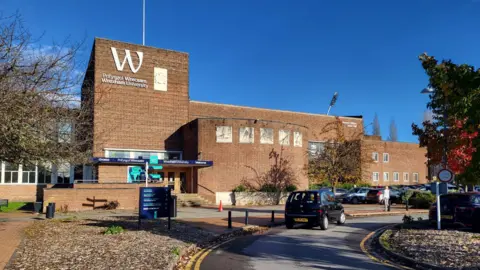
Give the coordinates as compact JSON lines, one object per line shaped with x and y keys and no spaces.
{"x":153,"y":159}
{"x":154,"y":202}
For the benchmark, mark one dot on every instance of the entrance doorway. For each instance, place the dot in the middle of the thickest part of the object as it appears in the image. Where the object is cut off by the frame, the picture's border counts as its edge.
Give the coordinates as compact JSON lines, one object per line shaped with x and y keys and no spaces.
{"x":183,"y":182}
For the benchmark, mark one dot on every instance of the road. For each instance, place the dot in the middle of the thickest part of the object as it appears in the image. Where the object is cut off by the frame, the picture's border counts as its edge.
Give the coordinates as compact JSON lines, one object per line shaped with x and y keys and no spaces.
{"x":300,"y":248}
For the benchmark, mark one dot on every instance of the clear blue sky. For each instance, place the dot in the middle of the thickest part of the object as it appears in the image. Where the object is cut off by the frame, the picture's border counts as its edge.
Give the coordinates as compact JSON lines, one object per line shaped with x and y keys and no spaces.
{"x":290,"y":55}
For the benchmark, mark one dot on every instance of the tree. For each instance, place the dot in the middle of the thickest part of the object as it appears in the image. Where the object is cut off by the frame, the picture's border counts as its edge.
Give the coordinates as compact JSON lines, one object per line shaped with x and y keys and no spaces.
{"x":455,"y":104}
{"x":42,"y":119}
{"x":280,"y":177}
{"x":343,"y":159}
{"x":393,"y":132}
{"x":376,"y":126}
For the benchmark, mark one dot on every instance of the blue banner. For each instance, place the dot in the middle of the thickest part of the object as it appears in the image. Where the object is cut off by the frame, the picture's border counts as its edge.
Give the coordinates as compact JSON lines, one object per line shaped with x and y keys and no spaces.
{"x":160,"y":161}
{"x":153,"y":202}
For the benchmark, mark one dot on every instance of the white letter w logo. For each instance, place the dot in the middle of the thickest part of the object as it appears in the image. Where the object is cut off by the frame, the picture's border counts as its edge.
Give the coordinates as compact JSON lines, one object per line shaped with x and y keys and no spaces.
{"x":128,"y":58}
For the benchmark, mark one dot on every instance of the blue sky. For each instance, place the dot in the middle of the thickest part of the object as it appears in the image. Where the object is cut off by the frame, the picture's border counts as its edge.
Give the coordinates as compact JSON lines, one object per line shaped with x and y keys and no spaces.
{"x":279,"y":54}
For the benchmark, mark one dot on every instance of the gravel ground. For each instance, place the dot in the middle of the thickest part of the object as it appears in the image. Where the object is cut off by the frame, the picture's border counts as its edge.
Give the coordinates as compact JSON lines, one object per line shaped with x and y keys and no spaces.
{"x":446,"y":248}
{"x":81,"y":244}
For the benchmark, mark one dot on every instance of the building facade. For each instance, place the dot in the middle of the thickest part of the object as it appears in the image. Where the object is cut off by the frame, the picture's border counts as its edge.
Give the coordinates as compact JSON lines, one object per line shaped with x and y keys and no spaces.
{"x":141,"y":113}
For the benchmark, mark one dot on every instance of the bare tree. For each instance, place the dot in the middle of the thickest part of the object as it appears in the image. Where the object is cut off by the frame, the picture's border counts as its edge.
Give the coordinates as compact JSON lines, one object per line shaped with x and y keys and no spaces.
{"x":342,"y":160}
{"x":279,"y":178}
{"x":393,"y":132}
{"x":376,"y":126}
{"x":42,"y":118}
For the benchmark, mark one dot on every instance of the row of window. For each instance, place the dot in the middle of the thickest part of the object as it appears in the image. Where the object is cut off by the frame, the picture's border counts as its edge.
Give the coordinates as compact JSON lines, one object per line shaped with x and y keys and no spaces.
{"x":247,"y":135}
{"x":137,"y":154}
{"x":34,"y":174}
{"x":386,"y":157}
{"x":396,"y":177}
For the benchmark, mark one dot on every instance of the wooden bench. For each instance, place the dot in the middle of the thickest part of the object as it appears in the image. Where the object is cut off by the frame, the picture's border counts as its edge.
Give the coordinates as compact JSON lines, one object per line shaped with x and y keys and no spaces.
{"x":3,"y":202}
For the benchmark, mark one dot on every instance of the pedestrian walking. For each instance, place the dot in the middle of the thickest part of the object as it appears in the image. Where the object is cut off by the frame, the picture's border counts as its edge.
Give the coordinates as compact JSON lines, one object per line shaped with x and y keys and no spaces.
{"x":386,"y":198}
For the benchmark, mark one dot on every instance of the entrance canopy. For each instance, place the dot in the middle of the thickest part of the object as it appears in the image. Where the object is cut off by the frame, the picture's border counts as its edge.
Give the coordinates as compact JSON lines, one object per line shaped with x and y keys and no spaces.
{"x":165,"y":163}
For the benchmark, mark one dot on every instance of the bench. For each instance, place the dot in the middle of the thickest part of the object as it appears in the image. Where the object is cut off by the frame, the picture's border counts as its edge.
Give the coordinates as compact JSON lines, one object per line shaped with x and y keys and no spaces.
{"x":3,"y":202}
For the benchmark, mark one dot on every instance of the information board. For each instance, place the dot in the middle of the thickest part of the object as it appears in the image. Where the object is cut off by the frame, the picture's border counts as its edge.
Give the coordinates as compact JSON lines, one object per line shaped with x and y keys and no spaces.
{"x":154,"y":202}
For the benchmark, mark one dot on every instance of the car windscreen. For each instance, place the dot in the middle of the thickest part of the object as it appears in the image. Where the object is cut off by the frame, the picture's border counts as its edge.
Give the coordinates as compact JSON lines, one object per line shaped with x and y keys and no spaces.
{"x":459,"y":199}
{"x":303,"y":197}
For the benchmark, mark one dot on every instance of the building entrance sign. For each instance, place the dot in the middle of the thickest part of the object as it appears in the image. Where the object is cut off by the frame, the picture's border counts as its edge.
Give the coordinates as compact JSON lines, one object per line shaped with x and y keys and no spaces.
{"x":154,"y":202}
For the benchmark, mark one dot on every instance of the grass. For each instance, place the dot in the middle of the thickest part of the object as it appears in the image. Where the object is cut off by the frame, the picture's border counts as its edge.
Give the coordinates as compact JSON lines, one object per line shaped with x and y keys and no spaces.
{"x":114,"y":230}
{"x":176,"y":251}
{"x":384,"y":238}
{"x":12,"y":207}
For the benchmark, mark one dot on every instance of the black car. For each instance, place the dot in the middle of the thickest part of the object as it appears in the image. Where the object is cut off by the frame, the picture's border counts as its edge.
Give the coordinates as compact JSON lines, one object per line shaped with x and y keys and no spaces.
{"x":458,"y":209}
{"x":314,"y":208}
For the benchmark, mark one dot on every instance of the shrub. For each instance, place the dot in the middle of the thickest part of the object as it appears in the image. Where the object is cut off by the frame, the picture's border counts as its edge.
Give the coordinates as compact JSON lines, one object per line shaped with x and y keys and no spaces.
{"x":114,"y":230}
{"x":176,"y":251}
{"x":407,"y":195}
{"x":268,"y":188}
{"x":240,"y":188}
{"x":112,"y":205}
{"x":422,"y":200}
{"x":291,"y":188}
{"x":407,"y":219}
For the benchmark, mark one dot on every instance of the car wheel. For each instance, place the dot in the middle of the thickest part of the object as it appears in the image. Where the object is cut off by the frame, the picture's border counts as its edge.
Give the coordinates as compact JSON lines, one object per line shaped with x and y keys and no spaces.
{"x":324,"y":223}
{"x":342,"y":219}
{"x":289,"y":223}
{"x":355,"y":200}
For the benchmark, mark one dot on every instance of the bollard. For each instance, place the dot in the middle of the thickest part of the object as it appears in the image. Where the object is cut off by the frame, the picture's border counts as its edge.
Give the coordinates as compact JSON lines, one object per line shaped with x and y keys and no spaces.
{"x":246,"y":217}
{"x":229,"y":219}
{"x":406,"y":205}
{"x":273,"y":216}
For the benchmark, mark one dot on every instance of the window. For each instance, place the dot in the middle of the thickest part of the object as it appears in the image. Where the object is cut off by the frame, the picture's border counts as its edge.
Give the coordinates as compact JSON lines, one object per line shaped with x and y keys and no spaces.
{"x":375,"y":156}
{"x":246,"y":135}
{"x":386,"y":177}
{"x":44,"y":174}
{"x":396,"y":176}
{"x":266,"y":135}
{"x":386,"y":157}
{"x":375,"y":177}
{"x":65,"y":132}
{"x":297,"y":139}
{"x":119,"y":154}
{"x":171,"y":180}
{"x":11,"y":173}
{"x":170,"y":155}
{"x":315,"y":148}
{"x":405,"y":177}
{"x":63,"y":174}
{"x":415,"y":177}
{"x":224,"y":134}
{"x":28,"y":174}
{"x":284,"y":137}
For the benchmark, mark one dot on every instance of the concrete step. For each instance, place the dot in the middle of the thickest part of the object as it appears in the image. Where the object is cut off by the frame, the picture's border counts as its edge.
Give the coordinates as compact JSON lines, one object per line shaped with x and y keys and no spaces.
{"x":192,"y":200}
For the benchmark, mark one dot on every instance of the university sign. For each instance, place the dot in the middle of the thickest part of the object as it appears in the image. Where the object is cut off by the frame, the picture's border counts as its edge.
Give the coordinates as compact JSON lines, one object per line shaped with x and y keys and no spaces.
{"x":160,"y":75}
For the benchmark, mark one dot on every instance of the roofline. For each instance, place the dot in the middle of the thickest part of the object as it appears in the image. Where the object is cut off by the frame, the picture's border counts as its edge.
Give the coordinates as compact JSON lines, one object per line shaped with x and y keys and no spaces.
{"x":130,"y":43}
{"x":273,"y":110}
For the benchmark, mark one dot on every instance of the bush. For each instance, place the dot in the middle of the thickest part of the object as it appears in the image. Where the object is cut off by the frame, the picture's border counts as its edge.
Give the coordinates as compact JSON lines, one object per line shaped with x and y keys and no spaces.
{"x":240,"y":188}
{"x":422,"y":199}
{"x":114,"y":230}
{"x":268,"y":188}
{"x":291,"y":188}
{"x":407,"y":219}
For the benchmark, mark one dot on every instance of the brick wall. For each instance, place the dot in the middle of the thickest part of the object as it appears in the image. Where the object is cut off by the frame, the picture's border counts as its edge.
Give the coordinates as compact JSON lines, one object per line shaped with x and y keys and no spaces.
{"x":112,"y":173}
{"x":403,"y":158}
{"x":138,"y":118}
{"x":234,"y":161}
{"x":21,"y":193}
{"x":75,"y":198}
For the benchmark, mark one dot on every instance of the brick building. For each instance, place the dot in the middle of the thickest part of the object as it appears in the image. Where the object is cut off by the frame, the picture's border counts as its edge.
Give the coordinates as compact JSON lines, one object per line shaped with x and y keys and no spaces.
{"x":141,"y":112}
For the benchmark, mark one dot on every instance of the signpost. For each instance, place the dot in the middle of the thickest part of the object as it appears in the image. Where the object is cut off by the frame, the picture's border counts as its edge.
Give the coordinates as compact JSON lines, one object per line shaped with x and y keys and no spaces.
{"x":444,"y":175}
{"x":154,"y":202}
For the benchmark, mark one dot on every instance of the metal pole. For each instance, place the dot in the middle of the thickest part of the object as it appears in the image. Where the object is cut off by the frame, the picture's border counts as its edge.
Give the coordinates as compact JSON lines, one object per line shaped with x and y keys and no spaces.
{"x":273,"y":216}
{"x":246,"y":217}
{"x":438,"y":206}
{"x":229,"y":219}
{"x":328,"y":112}
{"x":146,"y":174}
{"x":143,"y":29}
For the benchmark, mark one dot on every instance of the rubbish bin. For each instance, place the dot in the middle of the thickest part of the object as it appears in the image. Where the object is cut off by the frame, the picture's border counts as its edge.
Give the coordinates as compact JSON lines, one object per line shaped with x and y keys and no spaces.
{"x":173,"y":206}
{"x":50,"y":210}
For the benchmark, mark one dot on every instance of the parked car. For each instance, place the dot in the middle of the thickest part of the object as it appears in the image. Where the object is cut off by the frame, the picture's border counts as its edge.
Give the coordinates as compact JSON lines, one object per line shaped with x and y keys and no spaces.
{"x":458,"y":209}
{"x":314,"y":208}
{"x":376,"y":196}
{"x":355,"y":195}
{"x":340,"y":192}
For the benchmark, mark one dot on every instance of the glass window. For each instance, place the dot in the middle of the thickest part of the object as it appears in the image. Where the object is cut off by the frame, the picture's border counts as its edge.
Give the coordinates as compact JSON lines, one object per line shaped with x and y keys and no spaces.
{"x":415,"y":177}
{"x":246,"y":135}
{"x":174,"y":156}
{"x":28,"y":174}
{"x":266,"y":135}
{"x":386,"y":176}
{"x":63,"y":174}
{"x":65,"y":132}
{"x":315,"y":148}
{"x":396,"y":176}
{"x":405,"y":177}
{"x":171,"y":180}
{"x":375,"y":176}
{"x":119,"y":154}
{"x":375,"y":156}
{"x":11,"y":173}
{"x":284,"y":137}
{"x":297,"y":139}
{"x":303,"y":197}
{"x":386,"y":157}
